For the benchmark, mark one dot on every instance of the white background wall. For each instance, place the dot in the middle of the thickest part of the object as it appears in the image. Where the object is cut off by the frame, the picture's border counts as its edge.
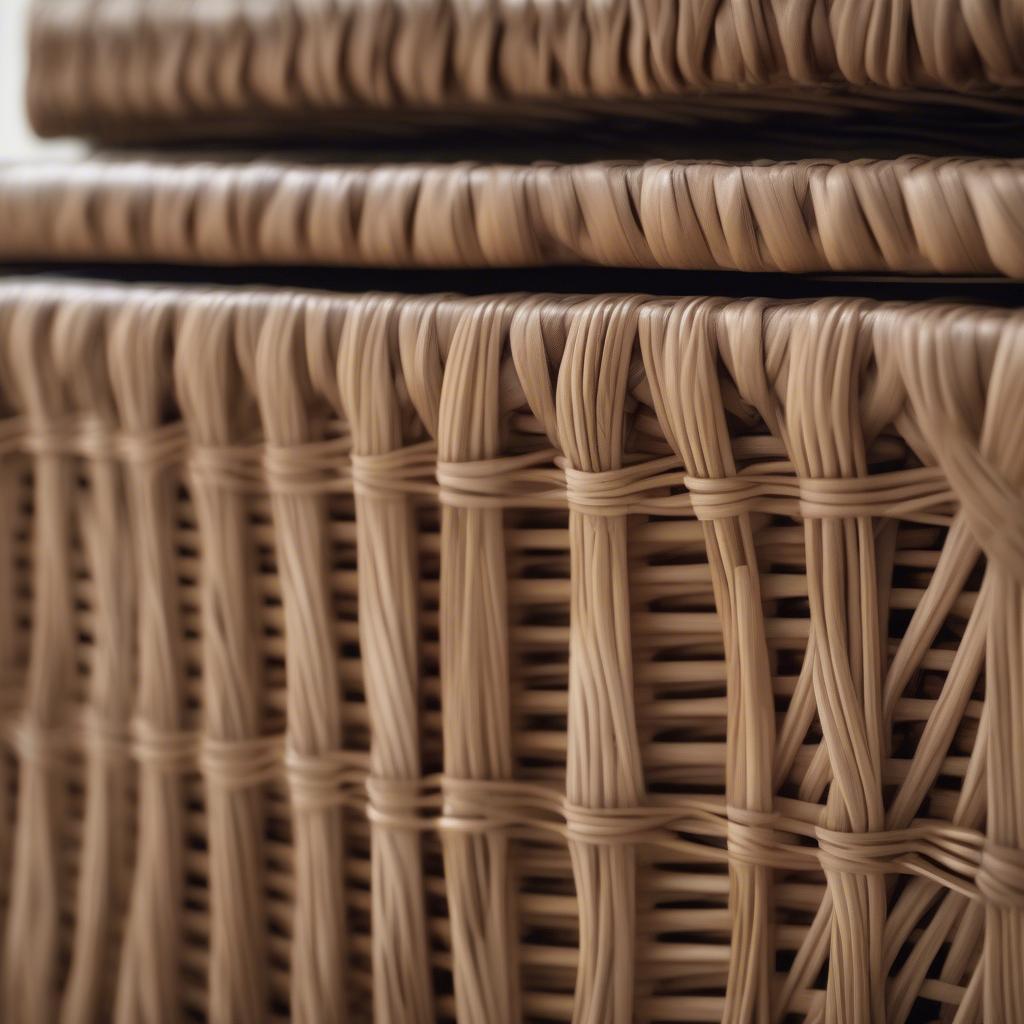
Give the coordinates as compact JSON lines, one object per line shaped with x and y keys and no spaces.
{"x":16,"y":138}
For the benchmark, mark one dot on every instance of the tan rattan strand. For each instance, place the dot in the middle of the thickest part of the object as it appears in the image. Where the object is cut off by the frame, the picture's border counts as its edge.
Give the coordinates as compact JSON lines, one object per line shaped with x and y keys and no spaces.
{"x":508,"y":658}
{"x":910,"y":215}
{"x":164,"y":65}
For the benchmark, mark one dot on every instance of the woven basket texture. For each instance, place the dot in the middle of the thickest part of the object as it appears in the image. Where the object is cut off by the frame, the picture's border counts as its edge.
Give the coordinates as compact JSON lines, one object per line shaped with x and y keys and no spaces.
{"x":521,"y":657}
{"x":164,"y":65}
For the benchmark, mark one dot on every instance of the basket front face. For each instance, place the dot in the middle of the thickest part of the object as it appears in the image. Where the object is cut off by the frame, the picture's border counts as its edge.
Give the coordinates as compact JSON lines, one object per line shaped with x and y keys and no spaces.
{"x":510,"y":658}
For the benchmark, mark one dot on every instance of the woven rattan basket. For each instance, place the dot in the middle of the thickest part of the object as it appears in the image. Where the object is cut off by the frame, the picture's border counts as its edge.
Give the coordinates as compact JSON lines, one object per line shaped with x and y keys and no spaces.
{"x":595,"y":658}
{"x":412,"y":609}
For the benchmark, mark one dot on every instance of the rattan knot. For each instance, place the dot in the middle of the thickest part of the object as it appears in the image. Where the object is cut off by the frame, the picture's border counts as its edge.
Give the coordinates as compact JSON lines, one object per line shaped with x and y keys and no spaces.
{"x":316,"y":781}
{"x":172,"y":752}
{"x":311,"y":468}
{"x":752,"y":836}
{"x":37,"y":744}
{"x":644,"y":487}
{"x":530,"y":479}
{"x":721,"y":497}
{"x":862,"y":853}
{"x":480,"y":805}
{"x":105,"y":738}
{"x":913,"y":493}
{"x":227,"y":467}
{"x":1000,"y":877}
{"x":611,"y":826}
{"x":94,"y":440}
{"x":155,"y":449}
{"x":12,"y":435}
{"x":240,"y":764}
{"x":52,"y":439}
{"x":394,"y":474}
{"x":396,"y":803}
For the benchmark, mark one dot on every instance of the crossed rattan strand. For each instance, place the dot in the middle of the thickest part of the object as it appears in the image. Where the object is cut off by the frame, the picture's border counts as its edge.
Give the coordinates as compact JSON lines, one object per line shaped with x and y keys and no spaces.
{"x":909,"y":215}
{"x":98,"y":66}
{"x":764,"y":381}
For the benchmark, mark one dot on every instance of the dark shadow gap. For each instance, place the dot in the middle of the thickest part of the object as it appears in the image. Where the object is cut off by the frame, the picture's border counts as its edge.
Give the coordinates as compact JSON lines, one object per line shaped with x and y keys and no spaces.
{"x":555,"y":280}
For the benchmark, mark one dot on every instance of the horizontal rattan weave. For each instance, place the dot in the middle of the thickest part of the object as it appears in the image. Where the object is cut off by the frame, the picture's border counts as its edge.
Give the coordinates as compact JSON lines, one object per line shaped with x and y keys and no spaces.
{"x":911,"y":215}
{"x":536,"y":657}
{"x":100,"y":64}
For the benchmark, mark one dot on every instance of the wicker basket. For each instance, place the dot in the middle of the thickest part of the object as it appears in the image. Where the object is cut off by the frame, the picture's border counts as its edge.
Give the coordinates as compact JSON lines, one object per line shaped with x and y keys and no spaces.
{"x":411,"y":655}
{"x":595,"y":658}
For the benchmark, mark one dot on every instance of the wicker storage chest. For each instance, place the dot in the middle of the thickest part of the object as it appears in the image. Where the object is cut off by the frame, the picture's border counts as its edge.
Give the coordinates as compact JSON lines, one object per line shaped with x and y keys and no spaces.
{"x":512,"y":589}
{"x":663,"y":682}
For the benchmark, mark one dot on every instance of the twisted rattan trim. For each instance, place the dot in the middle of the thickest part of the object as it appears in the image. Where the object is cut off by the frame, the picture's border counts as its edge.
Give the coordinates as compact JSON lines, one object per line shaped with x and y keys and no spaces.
{"x":908,"y":215}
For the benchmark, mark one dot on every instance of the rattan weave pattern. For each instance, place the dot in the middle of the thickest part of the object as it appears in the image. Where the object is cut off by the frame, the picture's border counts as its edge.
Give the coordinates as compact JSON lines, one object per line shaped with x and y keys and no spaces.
{"x":98,"y":64}
{"x":524,"y":655}
{"x":909,"y":215}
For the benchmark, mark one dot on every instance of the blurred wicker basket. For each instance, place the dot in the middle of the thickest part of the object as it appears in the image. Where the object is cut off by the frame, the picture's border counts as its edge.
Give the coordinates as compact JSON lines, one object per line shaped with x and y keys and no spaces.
{"x":166,"y":67}
{"x":594,"y":658}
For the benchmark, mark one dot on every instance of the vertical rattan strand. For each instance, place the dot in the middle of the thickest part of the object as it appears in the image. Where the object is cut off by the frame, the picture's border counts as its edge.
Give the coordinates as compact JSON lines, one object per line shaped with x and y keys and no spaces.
{"x":319,"y":990}
{"x":475,"y":700}
{"x":81,"y":358}
{"x":681,"y":358}
{"x":388,"y":642}
{"x":828,"y":350}
{"x":604,"y":769}
{"x":212,"y":396}
{"x":149,"y":982}
{"x":32,"y":941}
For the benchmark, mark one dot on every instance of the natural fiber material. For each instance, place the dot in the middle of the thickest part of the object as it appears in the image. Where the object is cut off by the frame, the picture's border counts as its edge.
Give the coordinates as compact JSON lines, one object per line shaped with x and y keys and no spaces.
{"x":911,"y":215}
{"x":102,"y":64}
{"x":536,"y":657}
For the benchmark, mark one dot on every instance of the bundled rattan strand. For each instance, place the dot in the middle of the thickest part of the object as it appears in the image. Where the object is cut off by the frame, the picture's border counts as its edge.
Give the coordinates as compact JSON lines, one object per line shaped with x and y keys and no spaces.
{"x":140,"y":351}
{"x":475,"y":701}
{"x":585,"y":418}
{"x":603,"y":766}
{"x":827,"y":353}
{"x":319,"y":989}
{"x":368,"y":363}
{"x":681,"y":359}
{"x":81,"y":357}
{"x":31,"y":944}
{"x":209,"y":383}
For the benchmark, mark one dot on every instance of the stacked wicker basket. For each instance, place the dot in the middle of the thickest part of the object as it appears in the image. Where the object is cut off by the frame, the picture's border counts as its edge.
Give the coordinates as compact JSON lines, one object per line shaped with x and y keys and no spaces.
{"x":454,"y":650}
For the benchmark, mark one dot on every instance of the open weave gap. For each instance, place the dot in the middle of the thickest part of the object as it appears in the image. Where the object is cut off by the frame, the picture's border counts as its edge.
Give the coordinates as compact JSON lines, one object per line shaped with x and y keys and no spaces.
{"x":100,"y":66}
{"x":910,"y":215}
{"x":625,"y":657}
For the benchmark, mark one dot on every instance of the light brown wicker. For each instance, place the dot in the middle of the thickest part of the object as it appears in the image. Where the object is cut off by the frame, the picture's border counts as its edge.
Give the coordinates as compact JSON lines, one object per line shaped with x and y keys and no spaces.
{"x":534,"y":657}
{"x":910,"y":215}
{"x":164,"y":65}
